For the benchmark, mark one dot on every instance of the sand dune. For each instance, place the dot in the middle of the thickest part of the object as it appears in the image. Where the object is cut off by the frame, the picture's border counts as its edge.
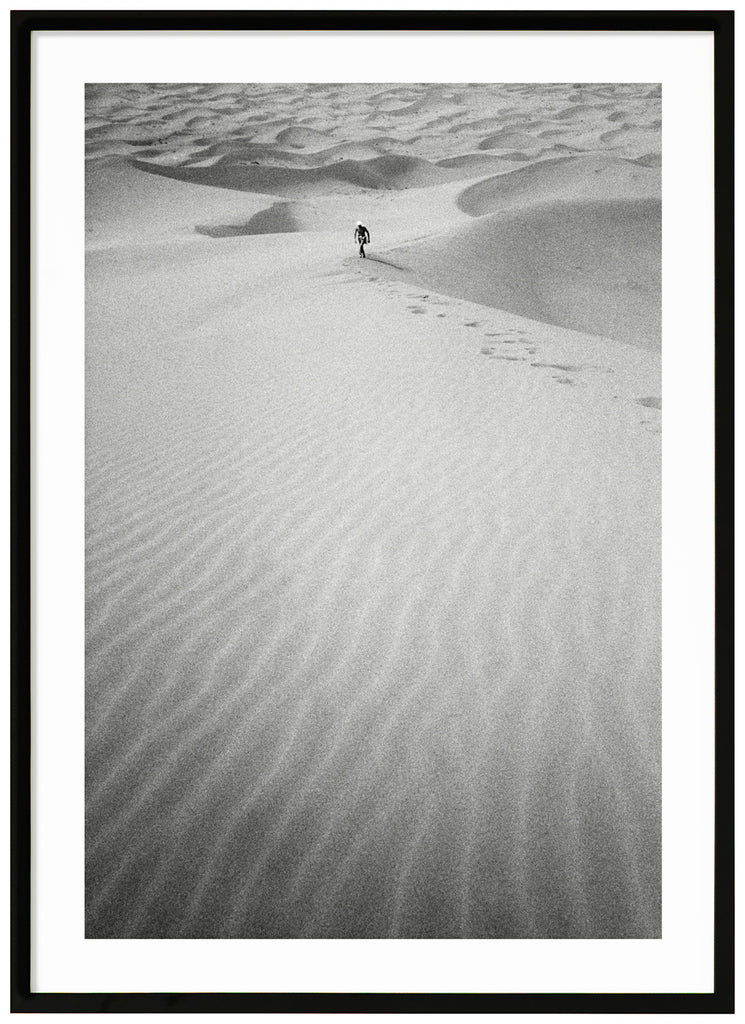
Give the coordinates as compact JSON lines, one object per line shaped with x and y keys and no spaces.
{"x":649,"y":160}
{"x":581,"y":111}
{"x":327,"y":720}
{"x":125,"y":206}
{"x":372,"y":547}
{"x":382,"y":172}
{"x":632,"y":138}
{"x":508,"y":138}
{"x":279,"y":218}
{"x":302,"y":138}
{"x":293,"y":120}
{"x":478,"y":163}
{"x":576,"y":177}
{"x":589,"y":266}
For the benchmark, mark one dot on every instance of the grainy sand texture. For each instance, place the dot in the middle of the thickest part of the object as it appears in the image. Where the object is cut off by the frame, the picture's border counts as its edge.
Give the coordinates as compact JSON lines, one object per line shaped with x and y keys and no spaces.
{"x":373,"y":547}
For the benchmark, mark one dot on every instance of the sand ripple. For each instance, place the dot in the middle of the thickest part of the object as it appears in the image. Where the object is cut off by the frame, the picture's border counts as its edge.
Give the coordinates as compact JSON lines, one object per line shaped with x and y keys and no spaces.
{"x":344,"y":679}
{"x":372,"y":572}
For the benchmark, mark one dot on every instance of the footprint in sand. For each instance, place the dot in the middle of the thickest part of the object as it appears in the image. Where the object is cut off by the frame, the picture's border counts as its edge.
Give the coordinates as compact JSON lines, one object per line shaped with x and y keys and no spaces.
{"x":490,"y":350}
{"x":559,"y":366}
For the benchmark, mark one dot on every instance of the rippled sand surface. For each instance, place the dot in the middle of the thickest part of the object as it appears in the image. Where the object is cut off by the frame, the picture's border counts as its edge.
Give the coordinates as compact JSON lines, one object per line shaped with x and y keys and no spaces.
{"x":373,"y":638}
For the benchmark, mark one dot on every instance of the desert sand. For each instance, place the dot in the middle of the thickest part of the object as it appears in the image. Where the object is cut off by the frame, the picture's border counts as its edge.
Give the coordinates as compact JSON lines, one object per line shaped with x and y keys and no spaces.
{"x":373,"y":547}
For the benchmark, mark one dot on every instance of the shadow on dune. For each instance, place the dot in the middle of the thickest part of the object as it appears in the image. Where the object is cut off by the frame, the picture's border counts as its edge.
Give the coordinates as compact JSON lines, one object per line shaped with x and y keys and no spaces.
{"x":280,"y":218}
{"x":379,"y":173}
{"x":388,"y":263}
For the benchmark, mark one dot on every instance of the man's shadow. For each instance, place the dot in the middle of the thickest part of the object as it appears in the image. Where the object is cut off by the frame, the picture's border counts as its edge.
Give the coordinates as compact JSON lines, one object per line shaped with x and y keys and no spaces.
{"x":377,"y":259}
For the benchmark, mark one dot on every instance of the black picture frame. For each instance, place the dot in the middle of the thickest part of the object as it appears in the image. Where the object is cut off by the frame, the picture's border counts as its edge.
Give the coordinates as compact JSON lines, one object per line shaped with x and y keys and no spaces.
{"x":23,"y":24}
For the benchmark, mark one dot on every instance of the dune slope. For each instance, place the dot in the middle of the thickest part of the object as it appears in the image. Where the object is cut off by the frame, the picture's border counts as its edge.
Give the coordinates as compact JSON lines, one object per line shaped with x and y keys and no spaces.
{"x":589,"y":266}
{"x":335,"y":687}
{"x":572,"y":178}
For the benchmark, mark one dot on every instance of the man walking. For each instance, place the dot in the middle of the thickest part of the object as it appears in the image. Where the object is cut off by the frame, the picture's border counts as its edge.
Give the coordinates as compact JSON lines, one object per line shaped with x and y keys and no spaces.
{"x":361,"y":235}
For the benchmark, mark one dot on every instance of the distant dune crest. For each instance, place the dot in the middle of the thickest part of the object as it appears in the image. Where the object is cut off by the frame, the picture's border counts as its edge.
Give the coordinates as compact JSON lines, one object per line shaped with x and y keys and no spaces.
{"x":179,"y":127}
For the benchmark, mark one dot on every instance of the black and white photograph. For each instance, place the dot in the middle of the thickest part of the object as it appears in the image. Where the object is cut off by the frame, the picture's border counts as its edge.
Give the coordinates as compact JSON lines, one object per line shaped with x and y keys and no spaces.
{"x":373,"y":510}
